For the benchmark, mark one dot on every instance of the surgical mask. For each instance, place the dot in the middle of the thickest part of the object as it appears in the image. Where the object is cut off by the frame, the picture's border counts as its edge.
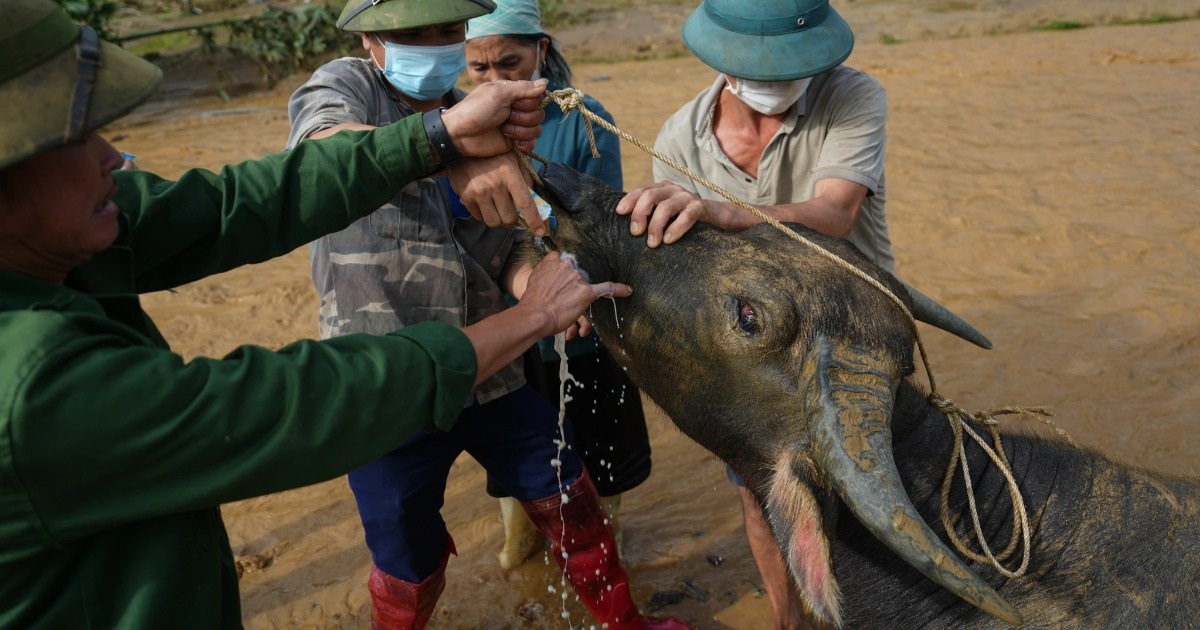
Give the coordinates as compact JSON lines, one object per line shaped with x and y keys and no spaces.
{"x":424,"y":73}
{"x":768,"y":97}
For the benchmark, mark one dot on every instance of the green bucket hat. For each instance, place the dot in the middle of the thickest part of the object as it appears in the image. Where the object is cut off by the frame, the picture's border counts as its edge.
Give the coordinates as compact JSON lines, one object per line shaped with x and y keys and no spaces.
{"x":768,"y":40}
{"x":59,"y":81}
{"x":368,"y":16}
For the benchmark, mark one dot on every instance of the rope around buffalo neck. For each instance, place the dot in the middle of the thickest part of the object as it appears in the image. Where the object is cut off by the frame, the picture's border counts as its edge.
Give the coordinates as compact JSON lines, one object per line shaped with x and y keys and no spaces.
{"x":959,"y":422}
{"x":571,"y":99}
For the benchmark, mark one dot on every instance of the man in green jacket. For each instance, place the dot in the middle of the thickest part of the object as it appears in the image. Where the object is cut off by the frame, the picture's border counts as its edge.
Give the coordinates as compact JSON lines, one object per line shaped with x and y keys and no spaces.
{"x":114,"y":453}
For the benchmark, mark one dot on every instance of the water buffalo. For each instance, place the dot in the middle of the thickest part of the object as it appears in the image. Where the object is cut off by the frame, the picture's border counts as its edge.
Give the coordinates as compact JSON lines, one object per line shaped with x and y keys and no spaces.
{"x":795,"y":372}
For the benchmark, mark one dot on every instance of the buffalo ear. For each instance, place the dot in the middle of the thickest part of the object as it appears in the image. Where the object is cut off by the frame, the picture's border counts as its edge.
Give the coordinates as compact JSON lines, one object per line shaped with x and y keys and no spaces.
{"x":796,"y":520}
{"x":848,"y":392}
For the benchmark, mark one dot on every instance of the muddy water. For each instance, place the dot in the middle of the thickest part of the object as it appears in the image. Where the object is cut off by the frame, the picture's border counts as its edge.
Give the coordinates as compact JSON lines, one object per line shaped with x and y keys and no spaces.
{"x":1042,"y":185}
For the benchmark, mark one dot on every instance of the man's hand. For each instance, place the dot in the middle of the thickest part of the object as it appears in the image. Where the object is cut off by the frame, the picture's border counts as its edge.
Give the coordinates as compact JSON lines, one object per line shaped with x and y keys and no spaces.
{"x":481,"y":124}
{"x":495,"y":190}
{"x":556,"y":296}
{"x":559,"y":294}
{"x":516,"y":280}
{"x":485,"y":124}
{"x":664,"y":211}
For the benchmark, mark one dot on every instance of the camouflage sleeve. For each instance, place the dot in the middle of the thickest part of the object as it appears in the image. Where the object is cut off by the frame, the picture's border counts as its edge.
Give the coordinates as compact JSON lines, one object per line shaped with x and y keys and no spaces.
{"x":340,"y":91}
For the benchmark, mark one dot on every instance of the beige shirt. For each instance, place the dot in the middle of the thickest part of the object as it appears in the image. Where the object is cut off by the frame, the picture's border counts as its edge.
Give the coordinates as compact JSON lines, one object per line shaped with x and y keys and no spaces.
{"x":835,"y":130}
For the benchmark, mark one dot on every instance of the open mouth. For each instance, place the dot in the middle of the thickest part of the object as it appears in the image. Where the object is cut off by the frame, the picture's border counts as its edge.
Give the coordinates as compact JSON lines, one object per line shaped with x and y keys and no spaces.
{"x":107,"y":206}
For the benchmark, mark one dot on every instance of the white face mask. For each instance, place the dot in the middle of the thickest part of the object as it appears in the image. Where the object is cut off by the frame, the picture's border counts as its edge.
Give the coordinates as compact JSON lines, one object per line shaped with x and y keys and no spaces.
{"x":768,"y":97}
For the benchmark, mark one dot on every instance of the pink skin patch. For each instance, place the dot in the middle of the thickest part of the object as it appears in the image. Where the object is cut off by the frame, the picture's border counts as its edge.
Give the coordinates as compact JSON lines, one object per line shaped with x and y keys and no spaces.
{"x":794,"y":517}
{"x":807,"y":556}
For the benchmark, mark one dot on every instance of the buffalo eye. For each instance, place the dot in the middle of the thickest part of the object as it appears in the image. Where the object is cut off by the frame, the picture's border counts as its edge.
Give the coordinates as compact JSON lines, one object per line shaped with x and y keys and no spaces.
{"x":746,"y":317}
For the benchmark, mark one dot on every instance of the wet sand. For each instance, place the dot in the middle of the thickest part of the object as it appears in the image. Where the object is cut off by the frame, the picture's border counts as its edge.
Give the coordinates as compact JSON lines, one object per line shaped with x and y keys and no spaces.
{"x":1041,"y":184}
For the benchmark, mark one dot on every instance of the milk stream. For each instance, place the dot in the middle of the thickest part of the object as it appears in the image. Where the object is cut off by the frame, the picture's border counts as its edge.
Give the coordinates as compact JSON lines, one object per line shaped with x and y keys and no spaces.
{"x":560,"y":347}
{"x":564,"y":375}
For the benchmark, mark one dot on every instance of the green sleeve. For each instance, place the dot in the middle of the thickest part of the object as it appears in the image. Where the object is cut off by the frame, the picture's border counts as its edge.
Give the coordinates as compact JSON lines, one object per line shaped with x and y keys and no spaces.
{"x":101,"y":430}
{"x":206,"y":223}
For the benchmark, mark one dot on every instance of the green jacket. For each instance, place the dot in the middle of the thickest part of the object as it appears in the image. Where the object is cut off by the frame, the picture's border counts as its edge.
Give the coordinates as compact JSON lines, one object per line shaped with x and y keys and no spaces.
{"x":115,"y":453}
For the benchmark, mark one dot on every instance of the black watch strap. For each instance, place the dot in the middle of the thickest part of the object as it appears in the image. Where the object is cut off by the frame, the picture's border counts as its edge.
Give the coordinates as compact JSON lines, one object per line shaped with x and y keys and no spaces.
{"x":435,"y":130}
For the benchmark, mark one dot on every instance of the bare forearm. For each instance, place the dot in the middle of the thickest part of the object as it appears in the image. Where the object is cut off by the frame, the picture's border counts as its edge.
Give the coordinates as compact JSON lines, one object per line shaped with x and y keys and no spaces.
{"x":819,"y":214}
{"x":554,"y":298}
{"x":501,"y":338}
{"x":833,"y":209}
{"x":516,"y":278}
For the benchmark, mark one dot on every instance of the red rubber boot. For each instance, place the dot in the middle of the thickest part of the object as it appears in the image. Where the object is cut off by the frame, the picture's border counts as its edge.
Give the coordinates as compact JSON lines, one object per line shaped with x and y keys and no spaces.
{"x":591,"y":564}
{"x":400,"y":605}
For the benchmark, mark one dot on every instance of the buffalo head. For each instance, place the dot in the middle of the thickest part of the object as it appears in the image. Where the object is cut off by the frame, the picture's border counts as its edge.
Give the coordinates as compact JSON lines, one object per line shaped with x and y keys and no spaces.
{"x":780,"y":362}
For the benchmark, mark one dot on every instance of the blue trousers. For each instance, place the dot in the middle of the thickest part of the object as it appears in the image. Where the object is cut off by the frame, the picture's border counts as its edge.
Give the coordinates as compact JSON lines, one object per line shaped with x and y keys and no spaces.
{"x":400,"y":495}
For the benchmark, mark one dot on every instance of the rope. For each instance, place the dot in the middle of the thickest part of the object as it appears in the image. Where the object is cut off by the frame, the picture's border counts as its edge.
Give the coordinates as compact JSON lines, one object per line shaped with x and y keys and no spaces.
{"x":1021,"y":531}
{"x":571,"y":99}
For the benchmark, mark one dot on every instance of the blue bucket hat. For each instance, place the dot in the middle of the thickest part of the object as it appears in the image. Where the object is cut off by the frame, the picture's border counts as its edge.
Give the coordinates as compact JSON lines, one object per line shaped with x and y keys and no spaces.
{"x":768,"y":40}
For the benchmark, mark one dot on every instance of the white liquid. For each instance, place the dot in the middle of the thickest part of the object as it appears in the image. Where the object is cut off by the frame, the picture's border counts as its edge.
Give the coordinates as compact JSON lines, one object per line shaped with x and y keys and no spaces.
{"x":560,"y":346}
{"x":564,"y":375}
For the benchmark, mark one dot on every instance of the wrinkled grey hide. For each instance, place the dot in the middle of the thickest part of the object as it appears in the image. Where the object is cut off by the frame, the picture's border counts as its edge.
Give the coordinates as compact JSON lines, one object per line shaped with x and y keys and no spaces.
{"x":793,"y":371}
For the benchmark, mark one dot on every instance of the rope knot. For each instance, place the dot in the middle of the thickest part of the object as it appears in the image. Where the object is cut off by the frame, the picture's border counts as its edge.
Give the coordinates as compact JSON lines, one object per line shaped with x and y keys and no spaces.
{"x":568,"y":99}
{"x":571,"y":99}
{"x":944,"y":405}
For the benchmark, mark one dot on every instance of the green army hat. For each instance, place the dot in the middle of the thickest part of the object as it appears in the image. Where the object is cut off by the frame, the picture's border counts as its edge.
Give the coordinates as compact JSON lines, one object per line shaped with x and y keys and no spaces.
{"x":768,"y":40}
{"x":58,"y":81}
{"x":367,"y":16}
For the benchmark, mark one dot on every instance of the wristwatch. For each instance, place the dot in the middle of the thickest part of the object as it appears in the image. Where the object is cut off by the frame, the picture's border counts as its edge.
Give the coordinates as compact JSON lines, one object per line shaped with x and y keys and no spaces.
{"x":435,"y":131}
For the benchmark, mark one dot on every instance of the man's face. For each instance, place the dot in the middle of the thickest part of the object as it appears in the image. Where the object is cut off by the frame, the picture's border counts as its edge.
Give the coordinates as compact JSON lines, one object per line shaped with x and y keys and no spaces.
{"x":56,"y":208}
{"x":436,"y":35}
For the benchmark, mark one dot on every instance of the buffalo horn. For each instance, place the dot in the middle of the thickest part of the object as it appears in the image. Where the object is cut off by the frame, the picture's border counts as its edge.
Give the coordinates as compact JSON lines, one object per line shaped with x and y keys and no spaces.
{"x":928,"y":311}
{"x":849,"y":427}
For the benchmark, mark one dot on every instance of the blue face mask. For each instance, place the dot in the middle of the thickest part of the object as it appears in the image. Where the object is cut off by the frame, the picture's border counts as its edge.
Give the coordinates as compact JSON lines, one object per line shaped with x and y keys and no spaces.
{"x":423,"y":73}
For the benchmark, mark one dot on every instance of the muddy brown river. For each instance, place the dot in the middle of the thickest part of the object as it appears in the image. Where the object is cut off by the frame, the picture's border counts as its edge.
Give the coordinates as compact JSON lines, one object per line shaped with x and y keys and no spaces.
{"x":1042,"y":185}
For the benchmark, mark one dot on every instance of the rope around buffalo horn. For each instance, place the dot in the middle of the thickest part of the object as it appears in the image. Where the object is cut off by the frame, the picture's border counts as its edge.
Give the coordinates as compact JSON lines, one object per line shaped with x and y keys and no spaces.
{"x":571,"y":99}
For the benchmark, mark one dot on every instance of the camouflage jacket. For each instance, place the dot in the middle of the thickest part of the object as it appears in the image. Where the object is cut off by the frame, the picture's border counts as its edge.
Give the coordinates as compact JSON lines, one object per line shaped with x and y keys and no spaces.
{"x":413,"y":259}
